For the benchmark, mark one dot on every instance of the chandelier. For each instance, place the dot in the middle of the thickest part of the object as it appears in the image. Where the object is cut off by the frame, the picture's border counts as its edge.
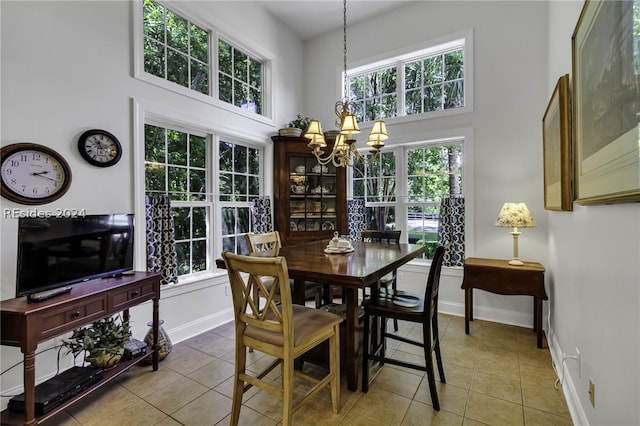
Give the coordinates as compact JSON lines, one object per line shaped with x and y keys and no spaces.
{"x":344,"y":152}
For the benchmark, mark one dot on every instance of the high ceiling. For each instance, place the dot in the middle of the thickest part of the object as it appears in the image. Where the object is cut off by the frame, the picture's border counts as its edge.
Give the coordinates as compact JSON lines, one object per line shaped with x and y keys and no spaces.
{"x":309,"y":18}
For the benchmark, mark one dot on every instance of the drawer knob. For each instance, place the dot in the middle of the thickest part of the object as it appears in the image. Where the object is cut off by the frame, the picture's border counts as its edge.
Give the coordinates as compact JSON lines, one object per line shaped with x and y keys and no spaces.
{"x":135,"y":294}
{"x":76,"y":314}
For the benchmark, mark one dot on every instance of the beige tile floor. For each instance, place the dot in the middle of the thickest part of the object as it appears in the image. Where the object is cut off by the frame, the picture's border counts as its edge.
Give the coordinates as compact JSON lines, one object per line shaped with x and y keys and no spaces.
{"x":495,"y":376}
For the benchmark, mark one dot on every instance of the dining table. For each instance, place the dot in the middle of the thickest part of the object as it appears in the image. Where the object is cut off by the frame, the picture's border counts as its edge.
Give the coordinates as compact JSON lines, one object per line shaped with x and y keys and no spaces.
{"x":353,"y":271}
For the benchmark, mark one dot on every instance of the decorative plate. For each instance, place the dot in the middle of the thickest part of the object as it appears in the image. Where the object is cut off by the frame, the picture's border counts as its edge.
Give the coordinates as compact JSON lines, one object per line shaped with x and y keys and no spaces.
{"x":338,"y":250}
{"x":327,"y":226}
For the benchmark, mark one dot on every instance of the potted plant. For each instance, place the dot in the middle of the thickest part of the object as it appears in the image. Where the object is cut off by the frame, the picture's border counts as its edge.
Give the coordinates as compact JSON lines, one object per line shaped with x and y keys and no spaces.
{"x":103,"y":341}
{"x":295,"y":127}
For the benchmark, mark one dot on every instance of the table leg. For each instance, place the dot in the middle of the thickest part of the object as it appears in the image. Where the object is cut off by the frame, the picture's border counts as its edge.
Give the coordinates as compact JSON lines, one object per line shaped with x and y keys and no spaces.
{"x":468,"y":308}
{"x":351,"y":338}
{"x":29,"y":387}
{"x":298,"y":292}
{"x":538,"y":320}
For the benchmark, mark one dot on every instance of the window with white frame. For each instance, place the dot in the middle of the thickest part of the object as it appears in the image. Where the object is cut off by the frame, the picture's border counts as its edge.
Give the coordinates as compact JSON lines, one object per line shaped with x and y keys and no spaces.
{"x":180,"y":51}
{"x":239,"y":185}
{"x":403,"y":189}
{"x":422,"y":82}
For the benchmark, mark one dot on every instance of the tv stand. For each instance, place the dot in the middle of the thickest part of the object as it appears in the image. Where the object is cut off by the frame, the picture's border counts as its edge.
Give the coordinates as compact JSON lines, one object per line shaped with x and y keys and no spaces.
{"x":26,"y":324}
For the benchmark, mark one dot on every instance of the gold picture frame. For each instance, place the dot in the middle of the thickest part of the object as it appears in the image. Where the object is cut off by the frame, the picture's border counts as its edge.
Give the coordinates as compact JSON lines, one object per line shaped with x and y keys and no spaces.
{"x":606,"y":104}
{"x":556,"y":138}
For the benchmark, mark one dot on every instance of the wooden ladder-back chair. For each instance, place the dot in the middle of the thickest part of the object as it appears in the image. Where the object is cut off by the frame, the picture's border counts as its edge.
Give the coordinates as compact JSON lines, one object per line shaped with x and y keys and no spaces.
{"x":417,"y":309}
{"x":268,"y":244}
{"x":385,"y":237}
{"x":282,"y":330}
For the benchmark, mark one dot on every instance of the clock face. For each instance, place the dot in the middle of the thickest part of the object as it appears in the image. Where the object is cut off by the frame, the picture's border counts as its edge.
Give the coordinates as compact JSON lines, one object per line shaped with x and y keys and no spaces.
{"x":33,"y":174}
{"x":99,"y":148}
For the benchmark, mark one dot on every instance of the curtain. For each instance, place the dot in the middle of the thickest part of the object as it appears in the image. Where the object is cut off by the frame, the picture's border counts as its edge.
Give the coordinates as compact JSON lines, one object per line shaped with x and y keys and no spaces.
{"x":261,"y":215}
{"x":451,"y":230}
{"x":161,"y":239}
{"x":356,"y":218}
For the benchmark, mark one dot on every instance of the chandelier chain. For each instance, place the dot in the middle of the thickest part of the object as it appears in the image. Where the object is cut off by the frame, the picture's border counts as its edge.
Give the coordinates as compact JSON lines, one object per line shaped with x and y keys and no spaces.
{"x":344,"y":50}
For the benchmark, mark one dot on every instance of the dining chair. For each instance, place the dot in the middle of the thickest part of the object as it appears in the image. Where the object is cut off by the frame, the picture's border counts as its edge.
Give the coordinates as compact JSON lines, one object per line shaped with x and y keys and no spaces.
{"x":385,"y":237}
{"x":268,"y":244}
{"x":410,"y":307}
{"x":280,"y":329}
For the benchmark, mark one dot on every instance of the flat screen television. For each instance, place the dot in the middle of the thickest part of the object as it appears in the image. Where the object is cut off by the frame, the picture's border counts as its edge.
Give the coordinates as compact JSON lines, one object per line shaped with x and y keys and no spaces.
{"x":59,"y":251}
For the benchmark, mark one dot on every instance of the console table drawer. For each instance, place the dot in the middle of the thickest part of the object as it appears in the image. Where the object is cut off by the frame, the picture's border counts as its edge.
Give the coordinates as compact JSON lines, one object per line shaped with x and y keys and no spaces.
{"x":132,"y":295}
{"x":69,"y":317}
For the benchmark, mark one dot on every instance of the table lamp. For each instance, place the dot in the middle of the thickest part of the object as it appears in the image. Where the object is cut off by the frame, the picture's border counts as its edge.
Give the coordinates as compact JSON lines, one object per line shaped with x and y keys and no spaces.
{"x":515,"y":215}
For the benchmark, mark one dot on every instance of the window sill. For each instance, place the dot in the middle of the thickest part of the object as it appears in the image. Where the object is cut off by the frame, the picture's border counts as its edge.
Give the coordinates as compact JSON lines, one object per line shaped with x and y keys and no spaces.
{"x":188,"y":285}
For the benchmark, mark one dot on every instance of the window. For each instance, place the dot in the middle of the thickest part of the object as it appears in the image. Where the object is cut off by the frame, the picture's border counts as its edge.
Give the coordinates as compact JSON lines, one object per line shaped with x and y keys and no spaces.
{"x":175,"y":49}
{"x":429,"y":80}
{"x":175,"y":164}
{"x":240,"y":78}
{"x":239,"y":185}
{"x":429,"y":173}
{"x":179,"y":51}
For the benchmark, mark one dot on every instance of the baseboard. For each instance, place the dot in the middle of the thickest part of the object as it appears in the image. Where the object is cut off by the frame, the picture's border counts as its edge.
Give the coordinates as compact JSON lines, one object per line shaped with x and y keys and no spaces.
{"x":488,"y":314}
{"x":191,"y":329}
{"x":578,"y":416}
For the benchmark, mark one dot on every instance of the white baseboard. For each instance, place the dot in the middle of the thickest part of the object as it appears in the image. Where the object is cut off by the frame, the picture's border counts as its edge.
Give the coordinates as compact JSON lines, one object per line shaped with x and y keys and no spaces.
{"x":189,"y":330}
{"x":488,"y":314}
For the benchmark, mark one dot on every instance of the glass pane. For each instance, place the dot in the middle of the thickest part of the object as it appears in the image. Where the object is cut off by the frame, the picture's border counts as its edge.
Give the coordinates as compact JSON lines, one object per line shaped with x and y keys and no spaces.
{"x":154,"y":144}
{"x":154,"y":177}
{"x":454,"y":65}
{"x":177,"y":68}
{"x":154,"y":58}
{"x":177,"y":33}
{"x":199,"y":255}
{"x":224,"y":58}
{"x":228,"y":220}
{"x":184,"y":258}
{"x":226,"y":156}
{"x":413,"y":102}
{"x":178,"y":183}
{"x":254,"y":185}
{"x":198,"y":181}
{"x":387,"y":80}
{"x":381,"y":217}
{"x":433,"y":70}
{"x":432,"y":98}
{"x":255,"y":74}
{"x":199,"y":77}
{"x":229,"y":244}
{"x":182,"y":222}
{"x":413,"y":75}
{"x":254,"y":161}
{"x":240,"y":93}
{"x":454,"y":94}
{"x":199,"y":222}
{"x":225,"y":180}
{"x":388,"y":106}
{"x":225,"y":88}
{"x":199,"y":44}
{"x":240,"y":187}
{"x":240,"y":67}
{"x":242,"y":226}
{"x":198,"y":151}
{"x":153,"y":20}
{"x":358,"y":188}
{"x":240,"y":160}
{"x":415,"y":188}
{"x":177,"y":147}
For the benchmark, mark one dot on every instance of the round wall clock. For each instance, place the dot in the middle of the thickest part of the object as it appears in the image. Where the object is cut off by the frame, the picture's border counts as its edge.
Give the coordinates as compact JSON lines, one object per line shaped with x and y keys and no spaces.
{"x":33,"y":174}
{"x":99,"y":148}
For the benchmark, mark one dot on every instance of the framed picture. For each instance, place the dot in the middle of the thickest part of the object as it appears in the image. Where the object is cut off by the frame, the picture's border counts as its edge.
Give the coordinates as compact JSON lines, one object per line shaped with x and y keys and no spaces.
{"x":556,"y":135}
{"x":606,"y":104}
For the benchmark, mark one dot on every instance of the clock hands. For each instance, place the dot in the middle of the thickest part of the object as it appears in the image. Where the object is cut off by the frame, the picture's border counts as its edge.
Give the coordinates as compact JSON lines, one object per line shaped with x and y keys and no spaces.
{"x":45,"y":177}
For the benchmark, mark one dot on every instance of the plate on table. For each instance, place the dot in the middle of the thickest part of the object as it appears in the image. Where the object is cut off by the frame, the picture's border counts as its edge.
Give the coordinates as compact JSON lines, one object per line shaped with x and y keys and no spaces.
{"x":406,"y":301}
{"x":327,"y":226}
{"x":338,"y":250}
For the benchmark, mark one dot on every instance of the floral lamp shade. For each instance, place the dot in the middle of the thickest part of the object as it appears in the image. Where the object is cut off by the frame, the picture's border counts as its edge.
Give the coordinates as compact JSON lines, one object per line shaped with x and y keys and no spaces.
{"x":515,"y":215}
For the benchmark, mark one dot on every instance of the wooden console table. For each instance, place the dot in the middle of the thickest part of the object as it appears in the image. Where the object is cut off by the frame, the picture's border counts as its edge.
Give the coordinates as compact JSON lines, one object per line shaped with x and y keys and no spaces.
{"x":497,"y":276}
{"x":27,"y":324}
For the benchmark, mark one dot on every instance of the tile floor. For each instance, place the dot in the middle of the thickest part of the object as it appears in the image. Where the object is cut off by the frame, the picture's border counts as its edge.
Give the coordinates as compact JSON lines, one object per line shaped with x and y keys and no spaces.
{"x":495,"y":376}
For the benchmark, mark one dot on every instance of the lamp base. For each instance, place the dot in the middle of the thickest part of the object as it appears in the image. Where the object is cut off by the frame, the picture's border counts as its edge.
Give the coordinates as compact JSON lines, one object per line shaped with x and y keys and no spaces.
{"x":516,"y":262}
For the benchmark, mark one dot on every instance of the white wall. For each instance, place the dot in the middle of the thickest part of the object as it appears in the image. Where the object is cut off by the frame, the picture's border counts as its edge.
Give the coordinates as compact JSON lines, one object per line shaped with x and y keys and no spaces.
{"x":594,"y":281}
{"x":68,"y":67}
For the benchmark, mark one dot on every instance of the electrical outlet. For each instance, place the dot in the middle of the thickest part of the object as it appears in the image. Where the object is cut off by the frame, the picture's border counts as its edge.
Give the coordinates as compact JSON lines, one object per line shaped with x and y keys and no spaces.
{"x":592,"y":392}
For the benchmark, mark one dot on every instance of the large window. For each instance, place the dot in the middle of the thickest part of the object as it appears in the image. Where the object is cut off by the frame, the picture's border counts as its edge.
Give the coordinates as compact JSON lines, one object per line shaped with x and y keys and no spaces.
{"x":175,"y":164}
{"x":408,"y":197}
{"x":239,"y":185}
{"x":180,"y":51}
{"x":422,"y":82}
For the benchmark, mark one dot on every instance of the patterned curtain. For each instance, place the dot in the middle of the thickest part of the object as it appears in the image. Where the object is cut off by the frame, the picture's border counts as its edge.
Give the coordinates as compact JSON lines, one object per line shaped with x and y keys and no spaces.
{"x":261,"y":215}
{"x":451,"y":230}
{"x":356,"y":217}
{"x":161,"y":239}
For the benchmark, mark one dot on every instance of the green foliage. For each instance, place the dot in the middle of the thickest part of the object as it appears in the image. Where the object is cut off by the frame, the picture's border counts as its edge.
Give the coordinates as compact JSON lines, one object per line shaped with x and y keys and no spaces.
{"x":100,"y":337}
{"x":299,"y":122}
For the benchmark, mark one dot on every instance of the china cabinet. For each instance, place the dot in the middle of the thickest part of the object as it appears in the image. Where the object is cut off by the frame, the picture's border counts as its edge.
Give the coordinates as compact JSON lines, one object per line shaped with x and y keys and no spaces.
{"x":309,"y":198}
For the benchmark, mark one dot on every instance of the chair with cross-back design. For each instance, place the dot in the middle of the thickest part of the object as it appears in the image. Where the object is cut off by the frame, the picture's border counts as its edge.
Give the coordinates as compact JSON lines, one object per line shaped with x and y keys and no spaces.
{"x":280,"y":329}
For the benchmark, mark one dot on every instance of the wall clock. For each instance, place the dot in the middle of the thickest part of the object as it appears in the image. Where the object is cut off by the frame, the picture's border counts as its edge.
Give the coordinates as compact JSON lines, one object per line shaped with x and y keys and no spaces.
{"x":99,"y":148}
{"x":33,"y":174}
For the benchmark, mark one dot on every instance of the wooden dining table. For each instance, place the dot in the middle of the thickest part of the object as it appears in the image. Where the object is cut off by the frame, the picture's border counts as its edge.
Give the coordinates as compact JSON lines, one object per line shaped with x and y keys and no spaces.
{"x":353,"y":271}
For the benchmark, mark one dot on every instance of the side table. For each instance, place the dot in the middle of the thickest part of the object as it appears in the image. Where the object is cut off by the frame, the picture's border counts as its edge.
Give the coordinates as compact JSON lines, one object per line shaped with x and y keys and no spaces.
{"x":497,"y":276}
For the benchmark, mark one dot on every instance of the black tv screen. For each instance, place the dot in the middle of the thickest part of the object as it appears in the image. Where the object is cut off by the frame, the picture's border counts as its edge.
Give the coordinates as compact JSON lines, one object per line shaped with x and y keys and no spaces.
{"x":56,"y":252}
